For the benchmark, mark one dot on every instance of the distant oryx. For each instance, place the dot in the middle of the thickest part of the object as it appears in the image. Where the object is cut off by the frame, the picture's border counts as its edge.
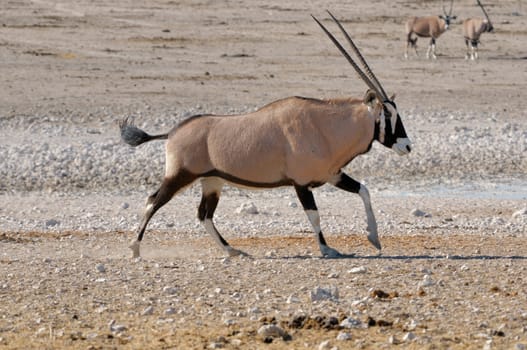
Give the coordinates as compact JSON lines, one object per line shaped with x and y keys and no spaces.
{"x":427,"y":27}
{"x":297,"y":141}
{"x":472,"y":29}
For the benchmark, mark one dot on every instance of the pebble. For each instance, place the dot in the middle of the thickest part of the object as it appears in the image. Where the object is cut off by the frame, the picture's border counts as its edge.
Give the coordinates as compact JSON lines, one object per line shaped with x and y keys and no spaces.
{"x":149,"y":310}
{"x":271,"y":330}
{"x":170,"y":311}
{"x":358,"y":269}
{"x":325,"y":345}
{"x":170,"y":290}
{"x":52,"y":223}
{"x":292,"y":299}
{"x":419,"y":213}
{"x":247,"y":208}
{"x":328,"y":293}
{"x":344,"y":336}
{"x":426,"y":282}
{"x":409,"y":337}
{"x":349,"y":322}
{"x":101,"y":268}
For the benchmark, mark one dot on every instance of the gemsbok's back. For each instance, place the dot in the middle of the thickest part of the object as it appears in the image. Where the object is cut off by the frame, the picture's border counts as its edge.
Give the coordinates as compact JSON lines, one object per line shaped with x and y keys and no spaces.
{"x":299,"y":142}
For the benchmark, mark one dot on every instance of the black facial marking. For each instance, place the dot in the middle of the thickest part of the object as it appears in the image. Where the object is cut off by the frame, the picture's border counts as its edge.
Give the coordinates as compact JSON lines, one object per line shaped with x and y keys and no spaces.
{"x":391,"y":138}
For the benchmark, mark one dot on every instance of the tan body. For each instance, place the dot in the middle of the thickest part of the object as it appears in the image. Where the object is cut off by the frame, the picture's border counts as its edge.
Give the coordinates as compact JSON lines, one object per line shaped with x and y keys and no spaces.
{"x":296,"y":138}
{"x":425,"y":27}
{"x":472,"y":30}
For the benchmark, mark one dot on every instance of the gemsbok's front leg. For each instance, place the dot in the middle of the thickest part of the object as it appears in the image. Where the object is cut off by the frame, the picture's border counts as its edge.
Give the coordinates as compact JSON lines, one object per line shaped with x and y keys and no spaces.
{"x":308,"y":202}
{"x":346,"y":183}
{"x":211,"y":190}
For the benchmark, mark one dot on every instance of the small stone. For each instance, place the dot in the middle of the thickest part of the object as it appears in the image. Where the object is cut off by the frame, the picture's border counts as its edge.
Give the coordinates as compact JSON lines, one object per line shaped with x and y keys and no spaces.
{"x":412,"y":325}
{"x":216,"y":345}
{"x":52,"y":223}
{"x":419,"y":213}
{"x":344,"y":336}
{"x":229,"y":322}
{"x":116,"y":328}
{"x":148,"y":311}
{"x":271,"y":330}
{"x":254,"y":310}
{"x":292,"y":299}
{"x":319,"y":294}
{"x":392,"y":340}
{"x":292,"y":204}
{"x":350,"y":323}
{"x":359,"y":269}
{"x":426,"y":282}
{"x":326,"y":344}
{"x":169,"y":290}
{"x":101,"y":268}
{"x":125,"y":205}
{"x":247,"y":208}
{"x":409,"y":337}
{"x":520,"y":347}
{"x":170,"y":311}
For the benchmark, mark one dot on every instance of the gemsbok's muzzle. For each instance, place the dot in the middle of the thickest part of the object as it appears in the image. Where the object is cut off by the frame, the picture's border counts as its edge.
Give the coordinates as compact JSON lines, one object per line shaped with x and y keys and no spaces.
{"x":403,"y":146}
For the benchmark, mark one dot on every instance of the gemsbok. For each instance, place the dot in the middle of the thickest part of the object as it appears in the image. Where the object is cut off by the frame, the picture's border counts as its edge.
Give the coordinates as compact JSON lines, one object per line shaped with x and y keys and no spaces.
{"x":427,"y":27}
{"x":472,"y":30}
{"x":297,"y":141}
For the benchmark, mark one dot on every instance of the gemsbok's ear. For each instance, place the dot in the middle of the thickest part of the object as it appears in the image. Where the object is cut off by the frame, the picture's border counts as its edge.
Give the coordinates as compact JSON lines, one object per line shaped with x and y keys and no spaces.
{"x":369,"y":98}
{"x":392,"y":97}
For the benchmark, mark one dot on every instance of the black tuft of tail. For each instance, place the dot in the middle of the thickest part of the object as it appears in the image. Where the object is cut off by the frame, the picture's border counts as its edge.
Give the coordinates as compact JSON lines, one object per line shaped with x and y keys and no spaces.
{"x":134,"y":136}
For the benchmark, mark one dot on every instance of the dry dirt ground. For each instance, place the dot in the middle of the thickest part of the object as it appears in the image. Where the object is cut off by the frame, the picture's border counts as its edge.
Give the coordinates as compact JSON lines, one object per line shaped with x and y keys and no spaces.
{"x":436,"y":285}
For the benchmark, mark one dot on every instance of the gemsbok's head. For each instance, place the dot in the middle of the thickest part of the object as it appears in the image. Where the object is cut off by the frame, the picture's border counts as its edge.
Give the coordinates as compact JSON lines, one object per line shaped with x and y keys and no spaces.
{"x":389,"y":128}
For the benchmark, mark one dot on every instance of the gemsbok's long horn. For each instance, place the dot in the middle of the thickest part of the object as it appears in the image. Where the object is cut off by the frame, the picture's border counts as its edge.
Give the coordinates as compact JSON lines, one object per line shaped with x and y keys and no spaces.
{"x":483,"y":9}
{"x":365,"y":65}
{"x":359,"y":71}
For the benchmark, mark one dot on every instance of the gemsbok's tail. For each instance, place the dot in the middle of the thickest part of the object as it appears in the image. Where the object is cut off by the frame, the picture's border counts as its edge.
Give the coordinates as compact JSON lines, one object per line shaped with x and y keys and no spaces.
{"x":134,"y":136}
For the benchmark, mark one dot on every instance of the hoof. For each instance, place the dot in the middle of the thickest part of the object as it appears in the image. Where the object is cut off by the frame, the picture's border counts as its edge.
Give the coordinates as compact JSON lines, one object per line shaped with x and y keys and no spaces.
{"x":328,"y":252}
{"x":235,"y":252}
{"x":374,"y":240}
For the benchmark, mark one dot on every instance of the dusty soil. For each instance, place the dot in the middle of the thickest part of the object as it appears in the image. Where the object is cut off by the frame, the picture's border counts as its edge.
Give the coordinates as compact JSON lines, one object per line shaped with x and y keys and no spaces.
{"x":454,"y":278}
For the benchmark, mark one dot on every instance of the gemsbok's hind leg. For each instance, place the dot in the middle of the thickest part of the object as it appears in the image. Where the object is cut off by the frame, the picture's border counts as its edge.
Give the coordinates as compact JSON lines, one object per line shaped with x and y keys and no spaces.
{"x":169,"y":187}
{"x":346,"y":183}
{"x":308,"y":202}
{"x":211,"y":190}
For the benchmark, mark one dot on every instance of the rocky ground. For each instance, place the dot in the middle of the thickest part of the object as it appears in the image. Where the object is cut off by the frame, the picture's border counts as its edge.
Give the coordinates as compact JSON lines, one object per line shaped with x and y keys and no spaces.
{"x":452,"y":215}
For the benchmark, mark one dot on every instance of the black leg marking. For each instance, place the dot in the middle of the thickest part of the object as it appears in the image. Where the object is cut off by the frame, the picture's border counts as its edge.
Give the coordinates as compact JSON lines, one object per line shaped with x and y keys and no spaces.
{"x":206,"y":210}
{"x":348,"y":184}
{"x":166,"y":191}
{"x":308,"y":202}
{"x":306,"y":197}
{"x":207,"y":206}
